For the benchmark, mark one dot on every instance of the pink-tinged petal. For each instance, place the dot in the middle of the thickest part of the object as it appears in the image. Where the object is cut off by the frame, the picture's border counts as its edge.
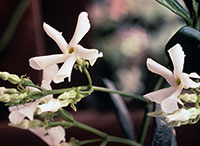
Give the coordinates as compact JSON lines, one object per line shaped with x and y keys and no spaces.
{"x":170,"y":104}
{"x":65,"y":70}
{"x":52,"y":105}
{"x":186,"y":81}
{"x":57,"y":134}
{"x":42,"y":62}
{"x":2,"y":89}
{"x":56,"y":36}
{"x":48,"y":75}
{"x":16,"y":117}
{"x":20,"y":112}
{"x":159,"y":95}
{"x":42,"y":133}
{"x":161,"y":70}
{"x":82,"y":27}
{"x":178,"y":57}
{"x":194,"y":75}
{"x":53,"y":136}
{"x":88,"y":54}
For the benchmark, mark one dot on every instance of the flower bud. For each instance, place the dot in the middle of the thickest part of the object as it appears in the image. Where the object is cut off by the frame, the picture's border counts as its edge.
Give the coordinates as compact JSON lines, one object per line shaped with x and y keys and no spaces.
{"x":192,"y":98}
{"x":4,"y":76}
{"x":5,"y":98}
{"x":35,"y":124}
{"x":23,"y":124}
{"x":2,"y":90}
{"x":14,"y":79}
{"x":10,"y":91}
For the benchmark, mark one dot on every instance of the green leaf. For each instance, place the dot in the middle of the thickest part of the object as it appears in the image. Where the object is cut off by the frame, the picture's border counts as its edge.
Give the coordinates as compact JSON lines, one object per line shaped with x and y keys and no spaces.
{"x":175,"y":7}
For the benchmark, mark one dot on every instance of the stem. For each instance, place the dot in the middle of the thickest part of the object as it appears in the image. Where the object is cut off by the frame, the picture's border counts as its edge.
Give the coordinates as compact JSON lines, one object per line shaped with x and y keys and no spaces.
{"x":62,"y":114}
{"x":135,"y":96}
{"x":88,"y":76}
{"x":17,"y":14}
{"x":89,"y":141}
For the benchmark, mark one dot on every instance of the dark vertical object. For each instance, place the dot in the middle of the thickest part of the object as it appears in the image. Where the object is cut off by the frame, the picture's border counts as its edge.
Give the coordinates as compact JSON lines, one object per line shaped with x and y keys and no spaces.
{"x":161,"y":134}
{"x":121,"y":112}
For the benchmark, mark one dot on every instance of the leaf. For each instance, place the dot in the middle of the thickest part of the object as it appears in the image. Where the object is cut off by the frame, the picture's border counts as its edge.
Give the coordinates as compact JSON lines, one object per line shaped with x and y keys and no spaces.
{"x":121,"y":112}
{"x":162,"y":135}
{"x":175,"y":7}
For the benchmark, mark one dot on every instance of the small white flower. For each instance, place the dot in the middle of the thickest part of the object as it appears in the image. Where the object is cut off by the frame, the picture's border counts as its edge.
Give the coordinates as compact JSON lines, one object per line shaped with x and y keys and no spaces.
{"x":18,"y":113}
{"x":53,"y":136}
{"x":168,"y":97}
{"x":70,"y":51}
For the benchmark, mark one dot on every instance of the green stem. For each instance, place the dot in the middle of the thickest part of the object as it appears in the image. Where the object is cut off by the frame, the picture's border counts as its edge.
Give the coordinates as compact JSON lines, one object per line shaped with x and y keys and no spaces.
{"x":88,"y":76}
{"x":89,"y":141}
{"x":17,"y":14}
{"x":135,"y":96}
{"x":106,"y":137}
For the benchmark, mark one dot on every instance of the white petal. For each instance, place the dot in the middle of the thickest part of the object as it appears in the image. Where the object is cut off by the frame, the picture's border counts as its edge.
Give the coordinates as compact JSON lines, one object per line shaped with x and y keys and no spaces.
{"x":181,"y":115}
{"x":88,"y":54}
{"x":48,"y":75}
{"x":57,"y":134}
{"x":42,"y":62}
{"x":16,"y":117}
{"x":41,"y":132}
{"x":194,"y":75}
{"x":159,"y":95}
{"x":65,"y":70}
{"x":82,"y":27}
{"x":169,"y":104}
{"x":52,"y":105}
{"x":19,"y":113}
{"x":56,"y":36}
{"x":186,"y":81}
{"x":161,"y":70}
{"x":177,"y":56}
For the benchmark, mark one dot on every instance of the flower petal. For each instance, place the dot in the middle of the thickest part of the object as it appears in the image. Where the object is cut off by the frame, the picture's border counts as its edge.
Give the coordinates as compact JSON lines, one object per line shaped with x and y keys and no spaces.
{"x":57,"y":135}
{"x":42,"y":62}
{"x":159,"y":95}
{"x":177,"y":56}
{"x":52,"y":105}
{"x":186,"y":81}
{"x":82,"y":27}
{"x":19,"y":113}
{"x":181,"y":115}
{"x":56,"y":36}
{"x":89,"y":54}
{"x":42,"y":133}
{"x":65,"y":70}
{"x":161,"y":70}
{"x":194,"y":75}
{"x":169,"y":104}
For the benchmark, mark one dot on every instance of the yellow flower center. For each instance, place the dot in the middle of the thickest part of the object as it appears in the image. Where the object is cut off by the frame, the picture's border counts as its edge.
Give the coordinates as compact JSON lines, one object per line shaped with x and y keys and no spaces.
{"x":70,"y":50}
{"x":178,"y":81}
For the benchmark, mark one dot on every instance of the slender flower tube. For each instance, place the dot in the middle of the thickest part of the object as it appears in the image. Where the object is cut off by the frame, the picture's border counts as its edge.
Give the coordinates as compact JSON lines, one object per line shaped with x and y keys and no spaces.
{"x":168,"y":97}
{"x":53,"y":136}
{"x":70,"y":51}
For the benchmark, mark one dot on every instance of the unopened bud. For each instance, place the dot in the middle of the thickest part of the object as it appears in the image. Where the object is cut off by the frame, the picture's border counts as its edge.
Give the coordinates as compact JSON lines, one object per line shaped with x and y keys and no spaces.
{"x":4,"y":76}
{"x":35,"y":124}
{"x":2,"y":90}
{"x":10,"y":91}
{"x":23,"y":124}
{"x":14,"y":79}
{"x":192,"y":98}
{"x":5,"y":98}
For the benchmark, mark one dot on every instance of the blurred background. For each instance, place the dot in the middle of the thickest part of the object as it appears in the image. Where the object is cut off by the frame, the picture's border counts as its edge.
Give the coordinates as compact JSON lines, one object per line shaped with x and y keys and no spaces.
{"x":126,"y":31}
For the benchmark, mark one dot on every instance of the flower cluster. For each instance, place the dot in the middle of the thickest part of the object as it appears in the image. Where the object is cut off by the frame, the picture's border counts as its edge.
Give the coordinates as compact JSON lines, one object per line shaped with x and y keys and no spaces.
{"x":36,"y":101}
{"x":170,"y":97}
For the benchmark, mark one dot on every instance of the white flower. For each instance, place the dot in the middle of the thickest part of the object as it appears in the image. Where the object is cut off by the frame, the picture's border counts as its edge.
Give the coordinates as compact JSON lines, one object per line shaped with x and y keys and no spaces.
{"x":18,"y":113}
{"x":53,"y":136}
{"x":70,"y":51}
{"x":178,"y":80}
